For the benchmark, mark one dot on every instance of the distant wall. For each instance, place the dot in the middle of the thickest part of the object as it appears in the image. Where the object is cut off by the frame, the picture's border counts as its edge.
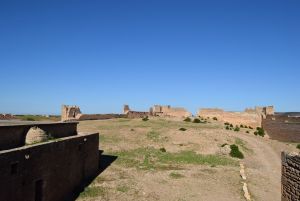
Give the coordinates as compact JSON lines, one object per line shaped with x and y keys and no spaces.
{"x":14,"y":136}
{"x":82,"y":117}
{"x":246,"y":118}
{"x":282,"y":127}
{"x":135,"y":114}
{"x":290,"y":180}
{"x":168,"y":111}
{"x":52,"y":170}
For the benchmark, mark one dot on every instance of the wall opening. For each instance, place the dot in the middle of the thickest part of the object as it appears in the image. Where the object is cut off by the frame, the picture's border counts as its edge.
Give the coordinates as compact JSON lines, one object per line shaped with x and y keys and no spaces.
{"x":39,"y":190}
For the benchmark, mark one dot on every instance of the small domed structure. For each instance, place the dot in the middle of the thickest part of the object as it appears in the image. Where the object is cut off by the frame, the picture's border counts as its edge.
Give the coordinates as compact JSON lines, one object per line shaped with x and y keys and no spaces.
{"x":36,"y":135}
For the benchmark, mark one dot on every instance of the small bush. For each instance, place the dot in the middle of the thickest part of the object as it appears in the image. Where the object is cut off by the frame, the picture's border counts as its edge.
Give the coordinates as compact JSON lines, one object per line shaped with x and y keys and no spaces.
{"x":226,"y":124}
{"x":247,"y":132}
{"x":196,"y":120}
{"x":182,"y":129}
{"x":231,"y":125}
{"x":260,"y":131}
{"x":132,"y":129}
{"x":163,"y":150}
{"x":250,"y":127}
{"x":298,"y":146}
{"x":242,"y":126}
{"x":235,"y":152}
{"x":245,"y":126}
{"x":30,"y":119}
{"x":215,"y":118}
{"x":227,"y":128}
{"x":145,"y":118}
{"x":187,"y":119}
{"x":236,"y":129}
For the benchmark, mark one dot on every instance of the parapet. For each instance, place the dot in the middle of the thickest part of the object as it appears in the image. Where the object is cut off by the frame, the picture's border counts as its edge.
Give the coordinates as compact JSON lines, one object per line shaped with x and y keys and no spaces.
{"x":13,"y":136}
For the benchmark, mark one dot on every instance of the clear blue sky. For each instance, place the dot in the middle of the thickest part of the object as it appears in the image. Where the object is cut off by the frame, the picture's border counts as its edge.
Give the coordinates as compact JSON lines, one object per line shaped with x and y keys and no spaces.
{"x":102,"y":54}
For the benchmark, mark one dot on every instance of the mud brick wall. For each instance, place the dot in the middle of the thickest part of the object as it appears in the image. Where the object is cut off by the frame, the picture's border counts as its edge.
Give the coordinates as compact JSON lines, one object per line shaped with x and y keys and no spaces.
{"x":290,"y":180}
{"x":134,"y":114}
{"x":50,"y":171}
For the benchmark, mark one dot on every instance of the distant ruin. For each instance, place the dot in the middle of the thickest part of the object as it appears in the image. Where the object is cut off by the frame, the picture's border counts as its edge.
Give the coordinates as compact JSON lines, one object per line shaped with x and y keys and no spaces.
{"x":250,"y":117}
{"x":73,"y":113}
{"x":290,"y":177}
{"x":157,"y":111}
{"x":6,"y":117}
{"x":46,"y":170}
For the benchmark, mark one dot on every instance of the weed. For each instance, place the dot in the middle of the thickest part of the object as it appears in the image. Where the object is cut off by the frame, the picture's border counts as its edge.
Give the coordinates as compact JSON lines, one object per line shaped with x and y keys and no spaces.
{"x":182,"y":129}
{"x":123,"y":188}
{"x":176,"y":175}
{"x":93,"y":191}
{"x":236,"y":129}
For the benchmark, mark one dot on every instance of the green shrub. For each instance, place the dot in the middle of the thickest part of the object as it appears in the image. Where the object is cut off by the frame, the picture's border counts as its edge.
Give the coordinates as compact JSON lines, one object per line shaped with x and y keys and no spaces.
{"x":247,"y":132}
{"x":227,"y":128}
{"x":196,"y":120}
{"x":236,"y":129}
{"x":235,"y":152}
{"x":298,"y":146}
{"x":187,"y":119}
{"x":250,"y":127}
{"x":30,"y":119}
{"x":242,"y":126}
{"x":226,"y":124}
{"x":231,"y":125}
{"x":145,"y":118}
{"x":260,"y":131}
{"x":163,"y":150}
{"x":182,"y":129}
{"x":215,"y":118}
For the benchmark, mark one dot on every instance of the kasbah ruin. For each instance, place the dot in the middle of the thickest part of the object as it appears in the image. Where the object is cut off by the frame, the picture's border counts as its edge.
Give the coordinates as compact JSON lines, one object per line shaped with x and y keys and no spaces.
{"x":58,"y":161}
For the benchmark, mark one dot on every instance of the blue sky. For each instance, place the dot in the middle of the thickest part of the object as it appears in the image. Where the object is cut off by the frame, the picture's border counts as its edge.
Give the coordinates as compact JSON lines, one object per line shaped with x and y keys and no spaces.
{"x":102,"y":54}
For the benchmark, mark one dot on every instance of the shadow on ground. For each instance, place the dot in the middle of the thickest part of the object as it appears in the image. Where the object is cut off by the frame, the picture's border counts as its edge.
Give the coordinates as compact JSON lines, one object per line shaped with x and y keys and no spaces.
{"x":104,"y":162}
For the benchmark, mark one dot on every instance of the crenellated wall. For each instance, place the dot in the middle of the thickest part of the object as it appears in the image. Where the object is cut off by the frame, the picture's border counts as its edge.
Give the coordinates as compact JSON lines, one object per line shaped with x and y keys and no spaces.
{"x":290,"y":178}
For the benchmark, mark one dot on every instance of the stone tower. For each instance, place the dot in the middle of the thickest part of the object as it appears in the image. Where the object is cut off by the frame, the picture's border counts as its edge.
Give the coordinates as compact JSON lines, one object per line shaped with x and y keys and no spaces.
{"x":69,"y":112}
{"x":126,"y":109}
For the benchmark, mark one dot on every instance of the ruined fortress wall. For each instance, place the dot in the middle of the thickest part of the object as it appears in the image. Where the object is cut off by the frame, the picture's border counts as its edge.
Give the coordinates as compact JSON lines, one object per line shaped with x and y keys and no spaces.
{"x":237,"y":118}
{"x":6,"y":117}
{"x":14,"y":136}
{"x":290,"y":178}
{"x":82,"y":117}
{"x":282,"y":127}
{"x":135,"y":114}
{"x":168,"y":111}
{"x":50,"y":171}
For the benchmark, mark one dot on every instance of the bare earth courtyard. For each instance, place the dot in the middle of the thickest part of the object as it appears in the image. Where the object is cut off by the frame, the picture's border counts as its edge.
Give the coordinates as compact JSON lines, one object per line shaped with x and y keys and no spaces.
{"x":158,"y":161}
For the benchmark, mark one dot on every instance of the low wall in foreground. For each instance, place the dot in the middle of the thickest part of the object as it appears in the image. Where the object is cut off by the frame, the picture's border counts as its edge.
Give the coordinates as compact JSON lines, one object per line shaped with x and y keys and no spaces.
{"x":50,"y":171}
{"x":290,"y":180}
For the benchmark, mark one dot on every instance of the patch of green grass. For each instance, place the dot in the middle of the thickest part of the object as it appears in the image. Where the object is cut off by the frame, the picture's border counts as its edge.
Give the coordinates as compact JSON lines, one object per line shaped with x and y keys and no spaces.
{"x":153,"y":135}
{"x":93,"y":191}
{"x":298,"y":146}
{"x":150,"y":158}
{"x":182,"y":129}
{"x":145,"y":119}
{"x":176,"y":175}
{"x":235,"y":152}
{"x":242,"y":144}
{"x":123,"y":188}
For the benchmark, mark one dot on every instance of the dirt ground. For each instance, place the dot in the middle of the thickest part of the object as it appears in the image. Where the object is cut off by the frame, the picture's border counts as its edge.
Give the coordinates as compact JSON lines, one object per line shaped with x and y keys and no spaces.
{"x":157,"y":161}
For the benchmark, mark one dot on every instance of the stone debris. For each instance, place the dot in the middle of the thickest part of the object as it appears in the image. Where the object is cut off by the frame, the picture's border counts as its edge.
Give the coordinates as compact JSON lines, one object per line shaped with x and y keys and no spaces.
{"x":242,"y":172}
{"x":246,"y":192}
